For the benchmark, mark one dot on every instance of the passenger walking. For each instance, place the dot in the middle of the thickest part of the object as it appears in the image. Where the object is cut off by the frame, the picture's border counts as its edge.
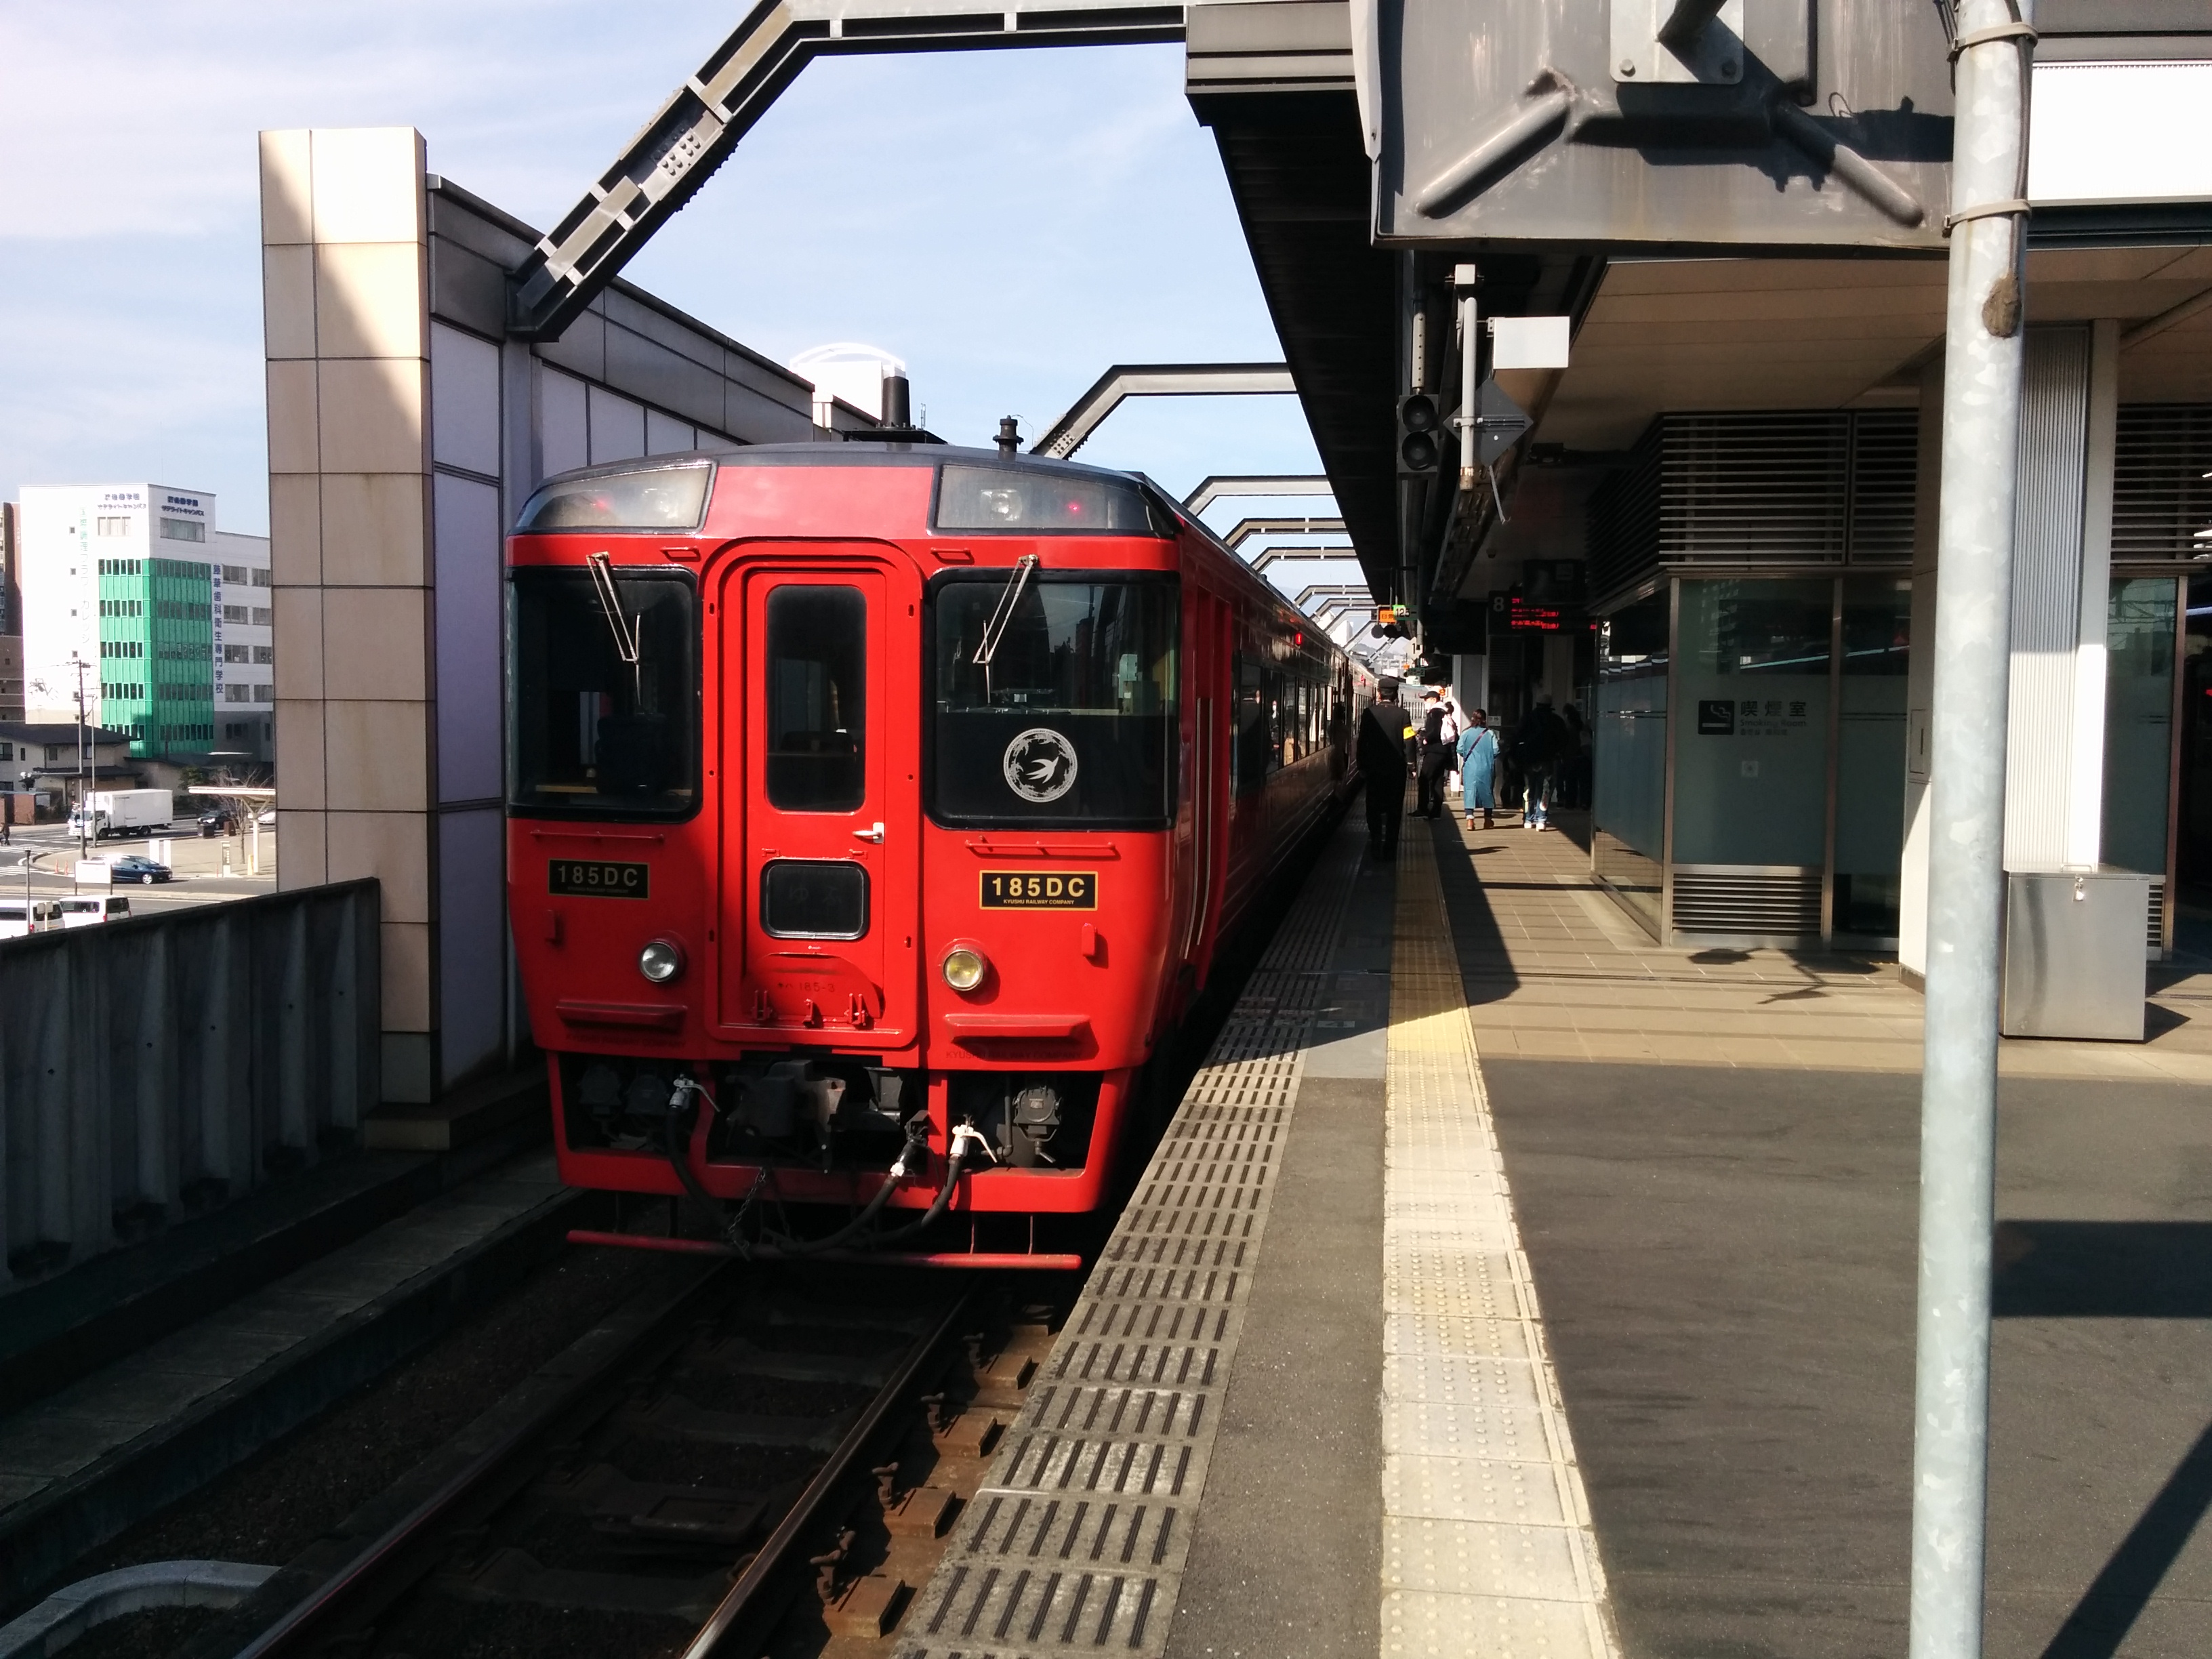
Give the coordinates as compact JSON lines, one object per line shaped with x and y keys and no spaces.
{"x":1478,"y":760}
{"x":1435,"y":757}
{"x":1536,"y":744}
{"x":1383,"y":732}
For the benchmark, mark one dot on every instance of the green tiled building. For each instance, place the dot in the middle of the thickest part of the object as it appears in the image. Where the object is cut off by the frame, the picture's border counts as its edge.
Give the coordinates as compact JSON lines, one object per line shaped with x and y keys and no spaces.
{"x":156,"y":652}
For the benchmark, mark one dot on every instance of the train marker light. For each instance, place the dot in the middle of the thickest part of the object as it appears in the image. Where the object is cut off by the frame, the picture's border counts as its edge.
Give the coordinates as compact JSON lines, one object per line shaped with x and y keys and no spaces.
{"x":964,"y":967}
{"x":661,"y":961}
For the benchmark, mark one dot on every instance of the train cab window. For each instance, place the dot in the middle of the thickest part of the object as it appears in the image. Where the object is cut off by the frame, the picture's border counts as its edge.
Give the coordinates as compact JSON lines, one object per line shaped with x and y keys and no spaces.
{"x":1053,"y":700}
{"x":604,"y":663}
{"x":817,"y":688}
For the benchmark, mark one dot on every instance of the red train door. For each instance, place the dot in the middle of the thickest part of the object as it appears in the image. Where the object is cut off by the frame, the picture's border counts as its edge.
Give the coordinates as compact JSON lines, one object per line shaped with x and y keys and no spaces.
{"x":821,"y":860}
{"x":1206,"y":657}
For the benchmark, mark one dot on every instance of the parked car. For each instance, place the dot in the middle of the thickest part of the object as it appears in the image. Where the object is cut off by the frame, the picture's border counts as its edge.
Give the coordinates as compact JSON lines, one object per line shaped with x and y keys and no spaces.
{"x":268,"y":819}
{"x":85,"y":912}
{"x":134,"y":868}
{"x":44,"y":916}
{"x":218,"y":821}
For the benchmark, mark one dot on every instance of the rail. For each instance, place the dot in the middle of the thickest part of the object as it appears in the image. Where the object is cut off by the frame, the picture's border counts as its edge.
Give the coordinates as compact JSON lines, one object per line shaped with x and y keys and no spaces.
{"x":161,"y":1065}
{"x":574,"y":1506}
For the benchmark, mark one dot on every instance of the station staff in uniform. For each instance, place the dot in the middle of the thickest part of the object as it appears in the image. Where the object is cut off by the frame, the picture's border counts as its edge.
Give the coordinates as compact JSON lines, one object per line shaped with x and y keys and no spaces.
{"x":1384,"y":733}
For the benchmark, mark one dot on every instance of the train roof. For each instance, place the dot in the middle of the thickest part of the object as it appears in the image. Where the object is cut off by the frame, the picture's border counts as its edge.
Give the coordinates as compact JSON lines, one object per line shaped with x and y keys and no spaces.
{"x":858,"y":451}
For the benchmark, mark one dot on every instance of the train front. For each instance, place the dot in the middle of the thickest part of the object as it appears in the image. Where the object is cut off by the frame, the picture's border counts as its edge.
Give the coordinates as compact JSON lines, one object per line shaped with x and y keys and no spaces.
{"x":842,"y":832}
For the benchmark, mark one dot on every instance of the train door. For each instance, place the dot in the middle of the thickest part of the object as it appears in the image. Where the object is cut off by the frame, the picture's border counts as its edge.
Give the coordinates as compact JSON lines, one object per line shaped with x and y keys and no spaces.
{"x":1206,"y":655}
{"x":821,"y":858}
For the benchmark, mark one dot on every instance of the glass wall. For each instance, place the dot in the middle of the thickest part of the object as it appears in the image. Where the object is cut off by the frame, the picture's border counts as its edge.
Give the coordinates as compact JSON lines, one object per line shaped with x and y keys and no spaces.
{"x":1870,"y":756}
{"x":2138,"y":721}
{"x":1628,"y":811}
{"x":1751,"y":723}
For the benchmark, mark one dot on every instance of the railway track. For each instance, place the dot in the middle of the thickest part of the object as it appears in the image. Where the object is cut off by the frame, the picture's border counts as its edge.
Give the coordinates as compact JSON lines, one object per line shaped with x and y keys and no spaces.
{"x":771,"y":1467}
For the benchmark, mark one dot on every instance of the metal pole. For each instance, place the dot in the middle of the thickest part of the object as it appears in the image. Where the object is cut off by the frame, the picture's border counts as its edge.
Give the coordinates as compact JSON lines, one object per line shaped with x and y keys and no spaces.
{"x":1464,"y":279}
{"x":1982,"y":348}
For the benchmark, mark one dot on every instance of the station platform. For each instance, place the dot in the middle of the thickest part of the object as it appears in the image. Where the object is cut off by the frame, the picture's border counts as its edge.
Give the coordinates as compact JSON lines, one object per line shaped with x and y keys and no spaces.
{"x":1508,"y":1285}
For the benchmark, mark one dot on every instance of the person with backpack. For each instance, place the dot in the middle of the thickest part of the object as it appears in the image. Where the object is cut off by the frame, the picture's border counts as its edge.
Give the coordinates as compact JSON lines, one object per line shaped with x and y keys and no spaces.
{"x":1537,"y":744}
{"x":1435,"y":757}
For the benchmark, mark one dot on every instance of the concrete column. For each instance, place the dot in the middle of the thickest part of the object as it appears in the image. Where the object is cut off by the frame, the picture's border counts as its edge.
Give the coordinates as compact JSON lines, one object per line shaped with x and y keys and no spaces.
{"x":345,"y":293}
{"x":2062,"y":572}
{"x":1920,"y":677}
{"x":2063,"y":553}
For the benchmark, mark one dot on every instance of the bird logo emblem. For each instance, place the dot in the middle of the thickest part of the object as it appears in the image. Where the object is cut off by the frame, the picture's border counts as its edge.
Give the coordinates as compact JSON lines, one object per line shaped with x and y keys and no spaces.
{"x":1039,"y":765}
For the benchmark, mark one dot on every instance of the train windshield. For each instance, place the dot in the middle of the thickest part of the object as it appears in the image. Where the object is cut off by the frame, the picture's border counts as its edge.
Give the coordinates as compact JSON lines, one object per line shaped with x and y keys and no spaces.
{"x":604,"y":691}
{"x":1054,"y":700}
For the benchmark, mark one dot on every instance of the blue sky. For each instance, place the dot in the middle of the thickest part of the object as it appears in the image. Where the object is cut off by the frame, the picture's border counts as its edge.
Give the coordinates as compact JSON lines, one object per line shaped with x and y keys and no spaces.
{"x":1008,"y":223}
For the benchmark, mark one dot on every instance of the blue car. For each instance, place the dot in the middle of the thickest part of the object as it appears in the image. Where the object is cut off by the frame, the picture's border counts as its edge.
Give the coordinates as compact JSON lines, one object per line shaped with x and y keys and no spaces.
{"x":134,"y":868}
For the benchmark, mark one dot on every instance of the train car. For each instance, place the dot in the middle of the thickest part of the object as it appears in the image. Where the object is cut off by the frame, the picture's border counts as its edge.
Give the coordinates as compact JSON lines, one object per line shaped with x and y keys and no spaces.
{"x":876,"y":811}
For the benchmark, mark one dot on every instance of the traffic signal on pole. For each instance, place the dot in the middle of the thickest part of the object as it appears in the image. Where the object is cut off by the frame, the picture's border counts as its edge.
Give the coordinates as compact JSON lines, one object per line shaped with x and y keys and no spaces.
{"x":1420,"y":436}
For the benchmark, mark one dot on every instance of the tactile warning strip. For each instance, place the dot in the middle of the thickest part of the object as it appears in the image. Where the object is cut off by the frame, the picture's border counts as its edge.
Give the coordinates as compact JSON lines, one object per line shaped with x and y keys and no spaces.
{"x":1488,"y":1547}
{"x":1077,"y":1543}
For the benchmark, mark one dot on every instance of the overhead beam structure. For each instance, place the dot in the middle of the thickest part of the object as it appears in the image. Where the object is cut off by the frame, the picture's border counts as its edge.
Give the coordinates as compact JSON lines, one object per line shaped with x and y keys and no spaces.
{"x":1221,"y":485}
{"x":1342,"y":554}
{"x":1245,"y":529}
{"x":1157,"y":380}
{"x":693,"y":131}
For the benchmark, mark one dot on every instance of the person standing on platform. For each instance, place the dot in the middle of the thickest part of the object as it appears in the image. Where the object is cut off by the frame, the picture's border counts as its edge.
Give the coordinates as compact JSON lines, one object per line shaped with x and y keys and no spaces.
{"x":1435,"y":757}
{"x":1477,"y":759}
{"x":1384,"y":730}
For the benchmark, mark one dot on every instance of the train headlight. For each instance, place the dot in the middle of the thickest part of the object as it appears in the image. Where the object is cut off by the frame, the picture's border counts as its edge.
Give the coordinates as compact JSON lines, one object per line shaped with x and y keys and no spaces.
{"x":964,"y":967}
{"x":661,"y":961}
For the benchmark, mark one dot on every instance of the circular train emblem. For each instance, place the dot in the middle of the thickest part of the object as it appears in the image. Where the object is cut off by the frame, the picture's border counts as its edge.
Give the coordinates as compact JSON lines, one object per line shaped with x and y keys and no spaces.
{"x":1039,"y":765}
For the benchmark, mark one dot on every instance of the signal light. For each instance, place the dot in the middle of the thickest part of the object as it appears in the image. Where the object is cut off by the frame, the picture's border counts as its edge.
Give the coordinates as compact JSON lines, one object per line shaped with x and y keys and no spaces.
{"x":1420,"y":436}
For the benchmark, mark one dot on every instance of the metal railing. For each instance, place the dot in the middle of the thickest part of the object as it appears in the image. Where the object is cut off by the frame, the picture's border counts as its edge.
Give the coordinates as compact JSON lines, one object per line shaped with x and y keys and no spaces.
{"x":162,"y":1066}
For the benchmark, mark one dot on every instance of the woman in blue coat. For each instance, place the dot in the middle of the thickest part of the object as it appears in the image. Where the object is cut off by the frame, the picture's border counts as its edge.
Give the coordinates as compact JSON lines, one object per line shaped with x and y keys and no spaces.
{"x":1478,"y":758}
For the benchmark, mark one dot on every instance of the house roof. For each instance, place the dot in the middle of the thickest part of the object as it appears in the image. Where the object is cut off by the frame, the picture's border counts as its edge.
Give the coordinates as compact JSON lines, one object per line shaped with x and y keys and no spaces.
{"x":60,"y":731}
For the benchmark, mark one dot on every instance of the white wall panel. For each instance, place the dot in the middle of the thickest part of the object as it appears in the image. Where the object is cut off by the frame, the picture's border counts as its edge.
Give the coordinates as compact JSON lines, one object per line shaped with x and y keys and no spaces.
{"x":2120,"y":132}
{"x":617,"y":427}
{"x":473,"y":942}
{"x":666,"y":435}
{"x":564,"y":427}
{"x":466,"y":517}
{"x":464,"y":400}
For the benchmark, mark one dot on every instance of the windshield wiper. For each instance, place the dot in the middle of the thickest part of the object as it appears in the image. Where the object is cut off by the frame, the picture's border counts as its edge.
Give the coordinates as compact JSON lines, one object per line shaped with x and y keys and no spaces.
{"x":625,"y":629}
{"x":1004,"y":614}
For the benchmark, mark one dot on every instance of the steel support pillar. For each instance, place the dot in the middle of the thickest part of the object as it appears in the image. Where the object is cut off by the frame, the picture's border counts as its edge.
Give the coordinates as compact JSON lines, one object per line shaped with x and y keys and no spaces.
{"x":1983,"y":357}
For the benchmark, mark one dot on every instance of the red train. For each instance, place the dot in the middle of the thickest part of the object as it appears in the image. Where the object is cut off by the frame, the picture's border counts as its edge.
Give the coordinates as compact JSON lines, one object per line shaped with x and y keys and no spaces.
{"x":877,"y":811}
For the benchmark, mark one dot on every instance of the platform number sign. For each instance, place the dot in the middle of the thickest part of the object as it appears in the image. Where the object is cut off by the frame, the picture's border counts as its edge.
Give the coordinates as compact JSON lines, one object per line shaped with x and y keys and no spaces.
{"x":1027,"y":889}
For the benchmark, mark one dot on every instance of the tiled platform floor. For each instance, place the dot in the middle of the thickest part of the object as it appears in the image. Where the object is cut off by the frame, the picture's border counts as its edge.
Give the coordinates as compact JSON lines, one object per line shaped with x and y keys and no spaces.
{"x":1557,"y":970}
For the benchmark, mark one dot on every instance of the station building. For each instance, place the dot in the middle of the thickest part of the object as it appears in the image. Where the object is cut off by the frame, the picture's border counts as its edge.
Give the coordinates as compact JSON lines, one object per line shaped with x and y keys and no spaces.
{"x":136,"y":602}
{"x":1716,"y":537}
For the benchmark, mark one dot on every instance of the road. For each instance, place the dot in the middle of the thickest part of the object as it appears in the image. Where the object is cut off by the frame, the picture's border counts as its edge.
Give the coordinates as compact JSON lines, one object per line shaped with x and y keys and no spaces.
{"x":199,"y":865}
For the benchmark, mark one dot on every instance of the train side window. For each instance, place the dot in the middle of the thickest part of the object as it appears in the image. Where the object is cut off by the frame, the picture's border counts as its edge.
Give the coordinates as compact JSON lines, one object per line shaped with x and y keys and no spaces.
{"x":818,"y":678}
{"x":1252,"y":746}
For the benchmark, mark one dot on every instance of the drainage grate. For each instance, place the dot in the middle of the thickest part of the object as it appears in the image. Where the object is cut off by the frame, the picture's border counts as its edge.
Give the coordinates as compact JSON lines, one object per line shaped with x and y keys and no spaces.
{"x":1077,"y":1542}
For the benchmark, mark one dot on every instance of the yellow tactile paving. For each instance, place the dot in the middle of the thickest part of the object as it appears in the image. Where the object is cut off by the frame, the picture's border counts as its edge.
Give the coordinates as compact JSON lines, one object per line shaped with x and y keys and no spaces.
{"x":1559,"y":971}
{"x":1488,"y":1547}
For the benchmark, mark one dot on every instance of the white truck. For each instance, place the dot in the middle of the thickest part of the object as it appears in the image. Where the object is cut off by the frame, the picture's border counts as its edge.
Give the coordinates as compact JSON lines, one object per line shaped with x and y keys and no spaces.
{"x":122,"y":813}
